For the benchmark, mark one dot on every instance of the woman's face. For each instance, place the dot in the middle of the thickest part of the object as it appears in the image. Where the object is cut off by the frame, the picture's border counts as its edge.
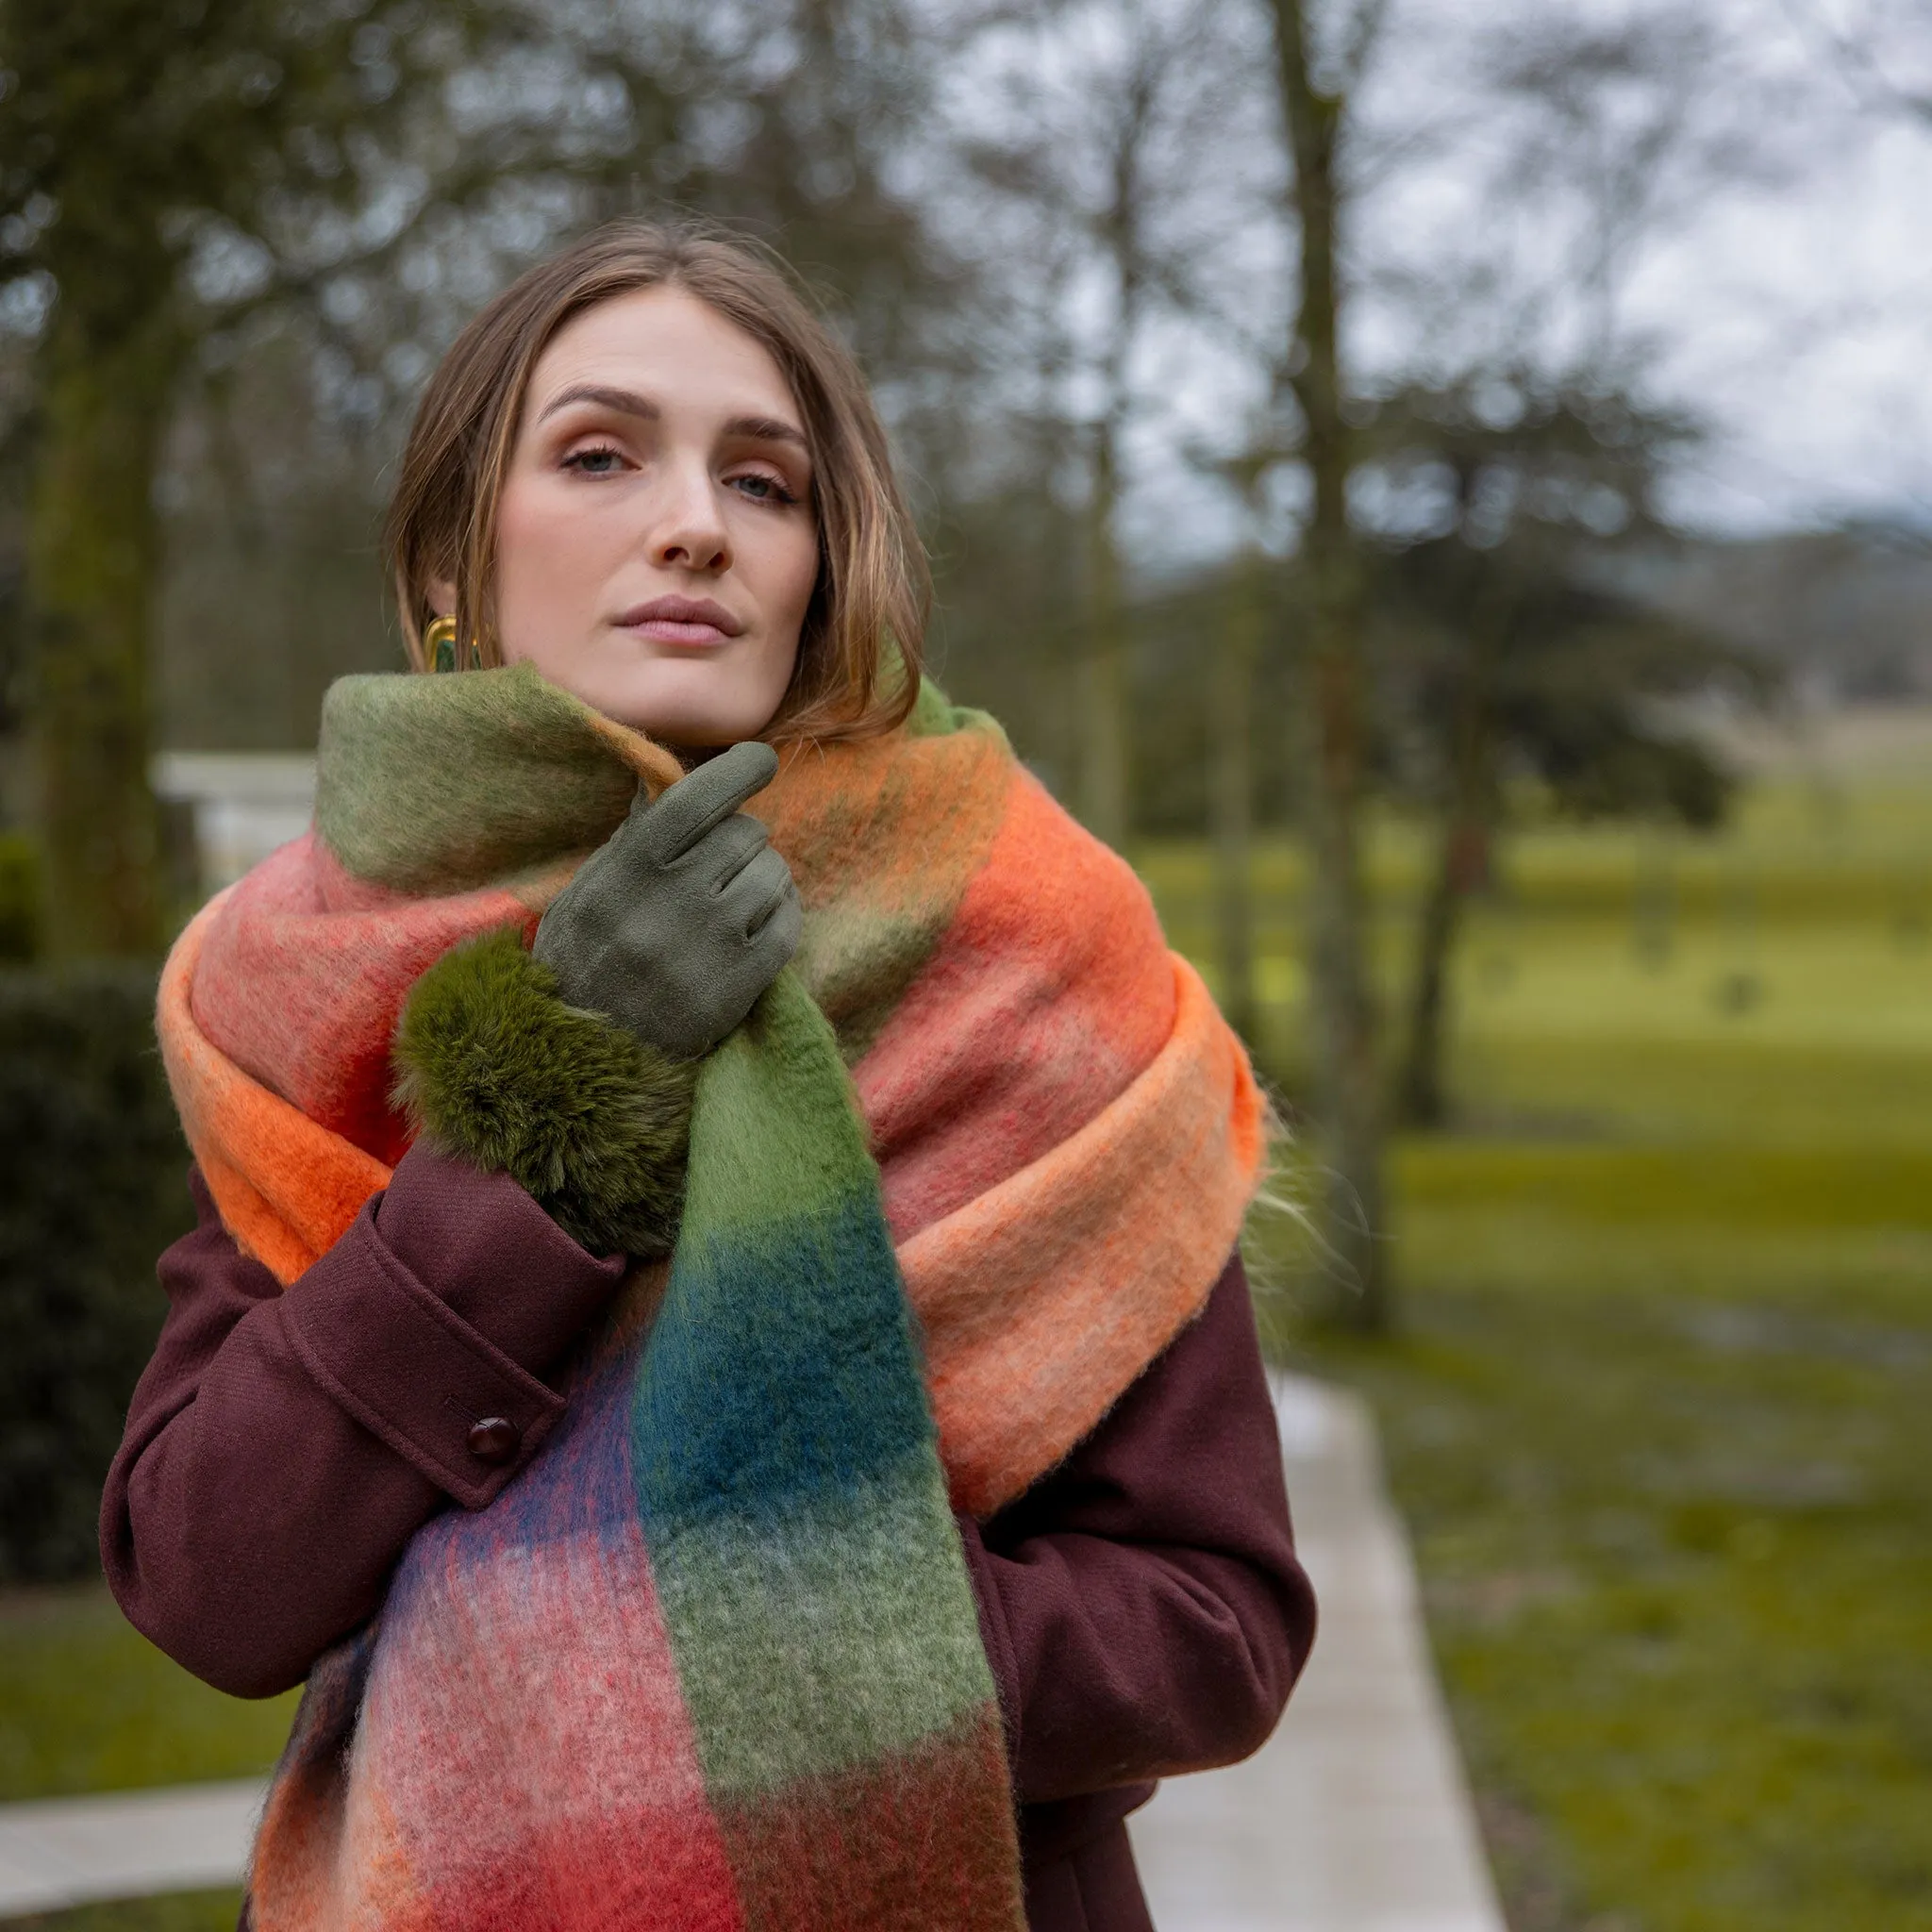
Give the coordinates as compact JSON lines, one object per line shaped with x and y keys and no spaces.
{"x":656,"y":544}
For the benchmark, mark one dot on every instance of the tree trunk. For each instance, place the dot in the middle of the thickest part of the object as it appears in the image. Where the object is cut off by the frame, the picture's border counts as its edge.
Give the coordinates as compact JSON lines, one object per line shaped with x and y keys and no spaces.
{"x":1234,"y":797}
{"x":1462,"y":858}
{"x":1341,"y":999}
{"x":1104,"y":695}
{"x":92,"y":551}
{"x":1461,"y":863}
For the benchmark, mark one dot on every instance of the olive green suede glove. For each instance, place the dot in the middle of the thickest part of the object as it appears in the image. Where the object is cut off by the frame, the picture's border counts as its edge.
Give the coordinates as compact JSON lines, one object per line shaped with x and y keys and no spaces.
{"x":676,"y":923}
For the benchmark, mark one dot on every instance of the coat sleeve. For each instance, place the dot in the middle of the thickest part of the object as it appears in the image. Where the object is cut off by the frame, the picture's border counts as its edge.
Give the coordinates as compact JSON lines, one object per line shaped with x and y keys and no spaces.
{"x":1143,"y":1607}
{"x":282,"y":1446}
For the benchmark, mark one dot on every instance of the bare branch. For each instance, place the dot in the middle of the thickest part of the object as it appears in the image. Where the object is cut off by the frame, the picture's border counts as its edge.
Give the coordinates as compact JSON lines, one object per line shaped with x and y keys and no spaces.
{"x":1859,"y":69}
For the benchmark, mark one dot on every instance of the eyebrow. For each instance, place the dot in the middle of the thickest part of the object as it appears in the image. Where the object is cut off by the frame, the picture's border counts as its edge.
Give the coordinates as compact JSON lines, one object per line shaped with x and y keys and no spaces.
{"x":628,"y":403}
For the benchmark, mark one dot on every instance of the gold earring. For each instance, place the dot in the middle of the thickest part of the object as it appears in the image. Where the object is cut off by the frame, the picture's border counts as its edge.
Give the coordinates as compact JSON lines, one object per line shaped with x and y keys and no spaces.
{"x":439,"y":645}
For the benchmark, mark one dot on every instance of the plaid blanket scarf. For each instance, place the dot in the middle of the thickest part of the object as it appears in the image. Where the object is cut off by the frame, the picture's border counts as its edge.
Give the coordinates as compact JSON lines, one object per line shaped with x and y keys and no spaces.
{"x":711,"y":1659}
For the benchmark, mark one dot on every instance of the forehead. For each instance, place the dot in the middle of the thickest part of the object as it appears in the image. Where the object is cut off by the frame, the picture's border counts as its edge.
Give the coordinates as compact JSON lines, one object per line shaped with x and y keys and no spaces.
{"x":665,"y":343}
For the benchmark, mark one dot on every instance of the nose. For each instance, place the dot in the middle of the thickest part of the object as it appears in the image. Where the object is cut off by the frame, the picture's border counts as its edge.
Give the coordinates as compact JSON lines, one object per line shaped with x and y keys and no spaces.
{"x":687,"y":530}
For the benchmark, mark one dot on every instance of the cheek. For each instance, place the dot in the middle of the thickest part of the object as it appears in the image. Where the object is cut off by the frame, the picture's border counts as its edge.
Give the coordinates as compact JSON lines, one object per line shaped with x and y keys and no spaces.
{"x":550,"y":565}
{"x":791,"y":568}
{"x":528,"y":539}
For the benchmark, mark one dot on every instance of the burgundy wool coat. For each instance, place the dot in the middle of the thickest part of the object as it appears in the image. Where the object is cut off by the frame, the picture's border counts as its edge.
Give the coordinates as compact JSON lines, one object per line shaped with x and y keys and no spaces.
{"x":1141,"y":1604}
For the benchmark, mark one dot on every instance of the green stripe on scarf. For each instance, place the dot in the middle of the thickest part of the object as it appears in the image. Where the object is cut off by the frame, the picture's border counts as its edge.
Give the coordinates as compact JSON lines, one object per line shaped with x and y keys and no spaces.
{"x":786,"y":1465}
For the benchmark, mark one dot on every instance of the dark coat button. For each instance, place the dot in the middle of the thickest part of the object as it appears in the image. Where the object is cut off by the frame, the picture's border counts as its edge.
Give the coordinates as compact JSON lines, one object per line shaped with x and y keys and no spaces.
{"x":496,"y":1441}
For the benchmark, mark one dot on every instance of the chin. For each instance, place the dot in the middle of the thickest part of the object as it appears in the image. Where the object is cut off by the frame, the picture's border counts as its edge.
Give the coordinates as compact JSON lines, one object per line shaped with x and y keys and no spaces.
{"x":683,"y":718}
{"x":682,"y":702}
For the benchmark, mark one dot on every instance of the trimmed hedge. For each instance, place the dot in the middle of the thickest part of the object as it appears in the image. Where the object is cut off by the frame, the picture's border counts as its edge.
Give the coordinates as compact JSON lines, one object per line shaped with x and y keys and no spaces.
{"x":91,"y":1168}
{"x":20,"y":897}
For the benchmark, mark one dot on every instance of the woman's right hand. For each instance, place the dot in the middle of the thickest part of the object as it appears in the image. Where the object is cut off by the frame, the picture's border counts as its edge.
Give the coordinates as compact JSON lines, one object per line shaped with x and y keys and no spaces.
{"x":678,"y":923}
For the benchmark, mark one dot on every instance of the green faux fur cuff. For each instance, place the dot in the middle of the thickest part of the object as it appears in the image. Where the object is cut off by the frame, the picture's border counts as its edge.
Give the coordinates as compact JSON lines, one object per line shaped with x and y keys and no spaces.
{"x":492,"y":1065}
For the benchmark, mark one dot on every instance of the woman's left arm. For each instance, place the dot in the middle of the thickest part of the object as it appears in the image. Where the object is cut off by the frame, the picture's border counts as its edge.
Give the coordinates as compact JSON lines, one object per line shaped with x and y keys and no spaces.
{"x":1143,"y":1607}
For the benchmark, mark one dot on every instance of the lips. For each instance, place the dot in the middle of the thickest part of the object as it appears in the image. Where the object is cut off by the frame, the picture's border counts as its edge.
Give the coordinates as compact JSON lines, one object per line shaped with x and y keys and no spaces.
{"x":682,"y":621}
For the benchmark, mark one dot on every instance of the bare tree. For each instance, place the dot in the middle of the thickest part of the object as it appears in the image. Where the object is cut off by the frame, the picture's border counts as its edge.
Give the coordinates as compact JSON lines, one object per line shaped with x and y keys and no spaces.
{"x":1881,"y":49}
{"x":1112,"y":144}
{"x":1237,"y":644}
{"x":1334,"y":721}
{"x":1612,"y":135}
{"x":1118,"y":226}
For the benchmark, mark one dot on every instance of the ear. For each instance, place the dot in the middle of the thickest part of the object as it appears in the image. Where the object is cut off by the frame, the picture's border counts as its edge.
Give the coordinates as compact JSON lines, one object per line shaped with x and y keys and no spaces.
{"x":443,"y":593}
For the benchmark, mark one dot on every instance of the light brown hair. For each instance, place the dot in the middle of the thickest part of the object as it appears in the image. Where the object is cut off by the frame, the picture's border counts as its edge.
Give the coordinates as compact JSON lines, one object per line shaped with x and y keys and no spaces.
{"x":873,"y":591}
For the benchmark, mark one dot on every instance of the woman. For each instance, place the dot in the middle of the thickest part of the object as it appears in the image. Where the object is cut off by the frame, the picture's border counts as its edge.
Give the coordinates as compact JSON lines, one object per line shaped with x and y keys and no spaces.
{"x":726,"y":1372}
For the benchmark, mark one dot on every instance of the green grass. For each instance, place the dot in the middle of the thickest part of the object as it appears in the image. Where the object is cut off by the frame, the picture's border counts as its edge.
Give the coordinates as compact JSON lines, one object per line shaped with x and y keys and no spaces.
{"x":187,"y":1911}
{"x":1666,"y":1470}
{"x":87,"y":1704}
{"x":1659,"y":1415}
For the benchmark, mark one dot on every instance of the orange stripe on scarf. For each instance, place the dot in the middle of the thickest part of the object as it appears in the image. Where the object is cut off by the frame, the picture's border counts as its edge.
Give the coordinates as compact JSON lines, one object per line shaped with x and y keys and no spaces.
{"x":303,"y":1185}
{"x":1069,"y":1136}
{"x":1044,"y":1297}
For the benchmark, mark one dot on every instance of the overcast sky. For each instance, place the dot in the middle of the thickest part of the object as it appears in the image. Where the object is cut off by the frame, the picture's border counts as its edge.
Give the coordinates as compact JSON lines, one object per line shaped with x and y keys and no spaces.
{"x":1801,"y":316}
{"x":1788,"y":299}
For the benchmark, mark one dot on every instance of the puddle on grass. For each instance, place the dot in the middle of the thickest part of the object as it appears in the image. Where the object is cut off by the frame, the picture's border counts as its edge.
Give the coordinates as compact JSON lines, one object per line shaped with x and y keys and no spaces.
{"x":1751,"y":1329}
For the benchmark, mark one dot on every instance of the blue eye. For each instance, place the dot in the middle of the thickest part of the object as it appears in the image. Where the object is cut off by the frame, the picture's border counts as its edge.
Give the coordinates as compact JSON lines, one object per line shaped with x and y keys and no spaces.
{"x":593,"y":462}
{"x":763,"y":489}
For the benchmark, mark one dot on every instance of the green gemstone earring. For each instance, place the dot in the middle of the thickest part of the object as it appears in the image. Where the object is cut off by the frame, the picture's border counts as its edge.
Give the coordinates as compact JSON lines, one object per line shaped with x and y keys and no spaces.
{"x":439,"y":645}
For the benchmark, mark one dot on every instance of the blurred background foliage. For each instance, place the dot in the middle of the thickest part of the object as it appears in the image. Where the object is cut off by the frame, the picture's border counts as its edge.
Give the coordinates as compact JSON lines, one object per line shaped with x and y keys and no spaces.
{"x":1315,"y":500}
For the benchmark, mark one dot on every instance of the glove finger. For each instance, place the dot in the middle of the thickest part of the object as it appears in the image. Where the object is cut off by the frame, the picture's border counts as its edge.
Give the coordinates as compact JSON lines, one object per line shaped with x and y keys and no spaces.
{"x":753,"y":895}
{"x":726,"y":849}
{"x":678,"y":819}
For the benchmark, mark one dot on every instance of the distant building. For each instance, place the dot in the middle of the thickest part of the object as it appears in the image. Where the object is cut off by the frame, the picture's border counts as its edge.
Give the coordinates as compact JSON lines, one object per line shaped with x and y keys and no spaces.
{"x":244,"y":803}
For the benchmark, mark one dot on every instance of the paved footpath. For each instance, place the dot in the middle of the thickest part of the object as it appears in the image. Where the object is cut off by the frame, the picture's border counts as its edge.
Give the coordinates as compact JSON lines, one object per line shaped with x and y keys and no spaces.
{"x":67,"y":1851}
{"x":1355,"y":1817}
